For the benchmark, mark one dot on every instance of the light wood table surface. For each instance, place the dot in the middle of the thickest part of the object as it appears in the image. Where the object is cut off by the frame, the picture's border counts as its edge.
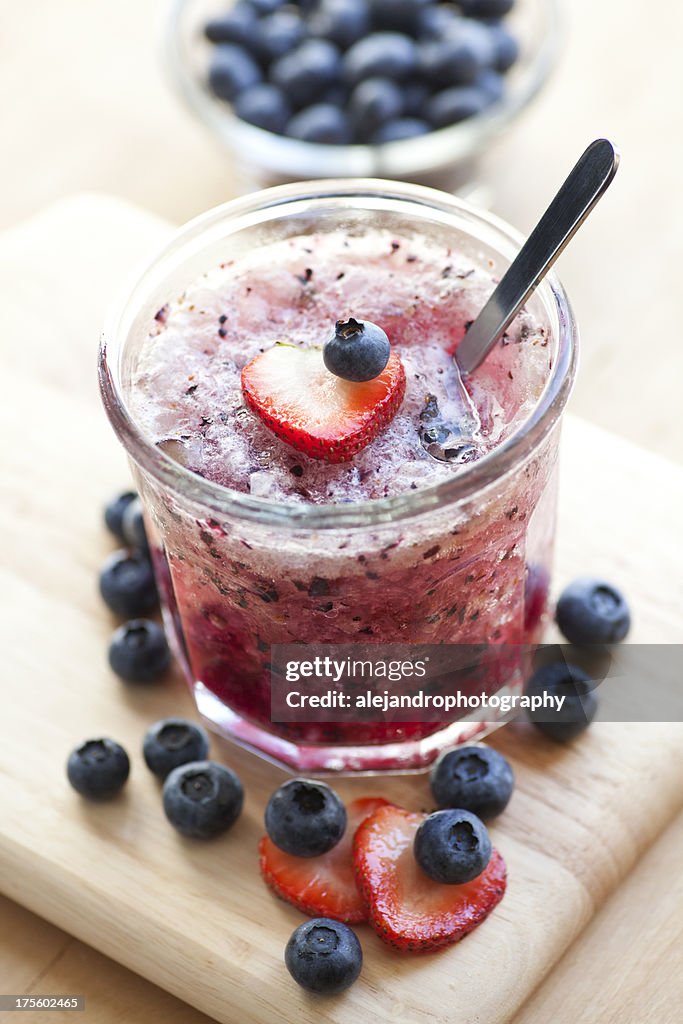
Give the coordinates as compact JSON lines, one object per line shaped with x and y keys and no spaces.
{"x":86,"y":107}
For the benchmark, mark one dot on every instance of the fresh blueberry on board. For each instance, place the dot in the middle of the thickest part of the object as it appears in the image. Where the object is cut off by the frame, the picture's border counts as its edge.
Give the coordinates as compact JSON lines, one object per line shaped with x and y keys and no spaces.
{"x":357,"y":350}
{"x":202,"y":799}
{"x":324,"y":956}
{"x":580,"y":703}
{"x":265,"y":106}
{"x":343,"y":22}
{"x":173,"y":742}
{"x":381,"y":55}
{"x":323,"y":123}
{"x":232,"y":70}
{"x":456,"y":104}
{"x":114,"y":511}
{"x":477,"y":779}
{"x":373,"y":102}
{"x":305,"y":818}
{"x":127,"y":584}
{"x":405,"y":907}
{"x":452,"y":846}
{"x":401,"y":128}
{"x":98,"y":768}
{"x":133,"y":526}
{"x":304,"y":72}
{"x":279,"y":33}
{"x":592,"y":611}
{"x":139,"y":652}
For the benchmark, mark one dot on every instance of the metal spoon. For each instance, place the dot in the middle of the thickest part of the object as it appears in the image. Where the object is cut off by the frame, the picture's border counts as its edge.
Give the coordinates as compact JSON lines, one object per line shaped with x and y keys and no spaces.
{"x":456,"y":439}
{"x":586,"y":184}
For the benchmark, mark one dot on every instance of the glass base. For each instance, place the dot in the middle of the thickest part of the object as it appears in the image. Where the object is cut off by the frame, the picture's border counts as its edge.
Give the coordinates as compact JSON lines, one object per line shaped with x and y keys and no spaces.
{"x":318,"y":759}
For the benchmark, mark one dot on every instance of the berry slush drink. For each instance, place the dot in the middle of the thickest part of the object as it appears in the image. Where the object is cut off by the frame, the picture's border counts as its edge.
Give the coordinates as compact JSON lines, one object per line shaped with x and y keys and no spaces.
{"x":255,"y":542}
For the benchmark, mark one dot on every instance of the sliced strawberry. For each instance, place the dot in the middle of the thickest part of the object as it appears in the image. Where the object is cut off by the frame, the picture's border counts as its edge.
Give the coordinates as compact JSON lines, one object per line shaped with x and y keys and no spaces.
{"x":310,"y":409}
{"x":321,"y":886}
{"x":405,"y":907}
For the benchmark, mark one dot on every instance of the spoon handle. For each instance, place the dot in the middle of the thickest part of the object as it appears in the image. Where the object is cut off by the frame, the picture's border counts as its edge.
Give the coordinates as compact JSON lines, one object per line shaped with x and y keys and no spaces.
{"x":587,"y":182}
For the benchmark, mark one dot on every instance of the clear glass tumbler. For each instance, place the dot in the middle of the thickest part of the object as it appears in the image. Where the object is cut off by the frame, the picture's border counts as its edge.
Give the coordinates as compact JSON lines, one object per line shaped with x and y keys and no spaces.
{"x":464,"y":562}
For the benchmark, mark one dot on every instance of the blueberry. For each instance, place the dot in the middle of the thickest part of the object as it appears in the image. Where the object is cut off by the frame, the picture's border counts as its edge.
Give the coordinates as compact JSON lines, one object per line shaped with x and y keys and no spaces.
{"x":305,"y":818}
{"x":114,"y":510}
{"x":323,"y":123}
{"x":304,"y":72}
{"x":265,"y":6}
{"x":98,"y":768}
{"x":127,"y":584}
{"x":280,"y":32}
{"x":324,"y":956}
{"x":505,"y":48}
{"x":400,"y":129}
{"x":486,"y":8}
{"x":491,"y":83}
{"x":139,"y":652}
{"x":337,"y":95}
{"x":398,"y":15}
{"x":591,"y":611}
{"x":172,"y":742}
{"x":133,"y":527}
{"x":459,"y":57}
{"x":373,"y":102}
{"x":579,"y":706}
{"x":436,"y":21}
{"x":456,"y":104}
{"x":356,"y":350}
{"x":381,"y":55}
{"x":415,"y":96}
{"x":477,"y":779}
{"x":238,"y":25}
{"x":265,"y":106}
{"x":343,"y":22}
{"x":452,"y":846}
{"x":232,"y":71}
{"x":202,"y":799}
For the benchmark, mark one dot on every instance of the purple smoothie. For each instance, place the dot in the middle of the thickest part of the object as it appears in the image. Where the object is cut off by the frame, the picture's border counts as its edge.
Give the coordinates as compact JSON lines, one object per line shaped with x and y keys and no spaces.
{"x":473,"y":572}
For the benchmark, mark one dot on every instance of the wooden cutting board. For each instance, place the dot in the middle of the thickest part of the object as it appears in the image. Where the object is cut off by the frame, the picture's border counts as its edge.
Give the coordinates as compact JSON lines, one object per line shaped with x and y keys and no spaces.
{"x":195,"y":918}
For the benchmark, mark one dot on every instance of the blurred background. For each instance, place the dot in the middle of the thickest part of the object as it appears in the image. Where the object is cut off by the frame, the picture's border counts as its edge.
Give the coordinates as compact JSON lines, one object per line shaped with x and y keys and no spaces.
{"x":89,"y":107}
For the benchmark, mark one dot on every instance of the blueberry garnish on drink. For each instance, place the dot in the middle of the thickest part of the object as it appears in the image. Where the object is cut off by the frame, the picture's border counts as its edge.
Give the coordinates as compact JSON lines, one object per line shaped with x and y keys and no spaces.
{"x":357,"y":350}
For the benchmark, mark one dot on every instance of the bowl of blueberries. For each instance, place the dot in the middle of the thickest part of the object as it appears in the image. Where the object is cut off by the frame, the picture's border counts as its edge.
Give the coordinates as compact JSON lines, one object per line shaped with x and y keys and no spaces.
{"x":409,"y":90}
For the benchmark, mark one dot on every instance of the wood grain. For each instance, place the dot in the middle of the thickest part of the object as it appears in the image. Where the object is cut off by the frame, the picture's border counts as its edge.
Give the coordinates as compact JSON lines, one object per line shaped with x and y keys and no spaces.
{"x":195,"y":918}
{"x":626,"y":965}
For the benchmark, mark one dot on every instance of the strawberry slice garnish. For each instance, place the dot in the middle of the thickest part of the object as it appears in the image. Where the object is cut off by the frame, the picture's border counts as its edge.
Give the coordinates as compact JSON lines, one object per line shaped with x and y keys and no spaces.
{"x":405,"y":907}
{"x":314,"y":411}
{"x":321,"y":886}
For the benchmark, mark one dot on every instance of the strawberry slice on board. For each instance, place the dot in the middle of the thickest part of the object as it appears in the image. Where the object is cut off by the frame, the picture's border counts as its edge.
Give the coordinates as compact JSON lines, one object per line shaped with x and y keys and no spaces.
{"x":322,"y":886}
{"x":406,"y":908}
{"x":311,"y":409}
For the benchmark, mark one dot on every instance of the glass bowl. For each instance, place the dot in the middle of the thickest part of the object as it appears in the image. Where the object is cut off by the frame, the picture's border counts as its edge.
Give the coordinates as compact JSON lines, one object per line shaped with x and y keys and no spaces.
{"x":445,"y":158}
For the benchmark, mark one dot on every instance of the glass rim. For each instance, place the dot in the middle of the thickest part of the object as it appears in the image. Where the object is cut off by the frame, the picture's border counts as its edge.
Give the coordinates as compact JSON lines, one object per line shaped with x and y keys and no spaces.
{"x":467,"y":480}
